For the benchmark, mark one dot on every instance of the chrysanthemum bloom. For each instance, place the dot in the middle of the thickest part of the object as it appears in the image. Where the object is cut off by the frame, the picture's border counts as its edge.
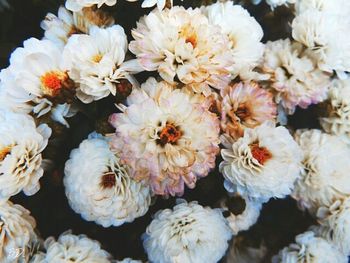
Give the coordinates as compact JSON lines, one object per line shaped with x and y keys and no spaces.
{"x":59,"y":28}
{"x":78,"y":5}
{"x":340,"y":7}
{"x":17,"y":233}
{"x":325,"y":177}
{"x":185,"y":47}
{"x":245,"y":105}
{"x":99,"y":187}
{"x":264,"y":163}
{"x":336,"y":118}
{"x":309,"y":248}
{"x":21,"y":145}
{"x":293,"y":75}
{"x":244,"y":34}
{"x":167,"y":136}
{"x":335,"y":224}
{"x":188,"y":233}
{"x":36,"y":77}
{"x":243,"y":213}
{"x":72,"y":248}
{"x":96,"y":62}
{"x":316,"y":27}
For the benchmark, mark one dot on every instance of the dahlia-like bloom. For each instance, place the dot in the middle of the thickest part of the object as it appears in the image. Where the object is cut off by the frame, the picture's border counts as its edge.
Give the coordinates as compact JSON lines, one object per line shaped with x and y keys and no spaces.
{"x":72,"y":248}
{"x":167,"y":136}
{"x":21,"y":146}
{"x":96,"y":62}
{"x":335,"y":224}
{"x":188,"y":233}
{"x":78,"y":5}
{"x":336,"y":119}
{"x":264,"y":163}
{"x":244,"y":34}
{"x":293,"y":75}
{"x":245,"y":105}
{"x":309,"y":249}
{"x":243,"y":213}
{"x":185,"y":47}
{"x":17,"y":233}
{"x":99,"y":187}
{"x":325,"y":177}
{"x":316,"y":27}
{"x":59,"y":28}
{"x":239,"y":253}
{"x":36,"y":77}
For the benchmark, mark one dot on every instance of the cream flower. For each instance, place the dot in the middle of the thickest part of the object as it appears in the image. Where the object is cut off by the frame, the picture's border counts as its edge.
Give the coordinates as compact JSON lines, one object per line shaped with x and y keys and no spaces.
{"x":99,"y":65}
{"x":36,"y":77}
{"x":264,"y":163}
{"x":77,"y":5}
{"x":325,"y":177}
{"x":340,"y":7}
{"x":99,"y":188}
{"x":72,"y":248}
{"x":185,"y":47}
{"x":293,"y":75}
{"x":166,"y":135}
{"x":337,"y":116}
{"x":243,"y":213}
{"x":21,"y":145}
{"x":335,"y":224}
{"x":188,"y":233}
{"x":245,"y":105}
{"x":310,"y":249}
{"x":244,"y":34}
{"x":59,"y":28}
{"x":16,"y":232}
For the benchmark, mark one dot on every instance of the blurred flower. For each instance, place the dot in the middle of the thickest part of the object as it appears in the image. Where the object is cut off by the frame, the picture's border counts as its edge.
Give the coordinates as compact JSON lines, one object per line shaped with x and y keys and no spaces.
{"x":72,"y":248}
{"x":239,"y":253}
{"x":96,"y":62}
{"x":59,"y":28}
{"x":167,"y":136}
{"x":245,"y":105}
{"x":77,"y":5}
{"x":264,"y":163}
{"x":244,"y":34}
{"x":293,"y":75}
{"x":188,"y":233}
{"x":185,"y":47}
{"x":325,"y":177}
{"x":99,"y":187}
{"x":309,"y":248}
{"x":17,"y":233}
{"x":128,"y":260}
{"x":21,"y":164}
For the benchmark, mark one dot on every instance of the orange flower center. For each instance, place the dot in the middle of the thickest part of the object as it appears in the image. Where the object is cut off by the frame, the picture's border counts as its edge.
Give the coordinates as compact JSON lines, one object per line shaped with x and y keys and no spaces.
{"x":52,"y":82}
{"x":188,"y":32}
{"x":108,"y":180}
{"x":243,"y":112}
{"x":5,"y":151}
{"x":169,"y":134}
{"x":261,"y":154}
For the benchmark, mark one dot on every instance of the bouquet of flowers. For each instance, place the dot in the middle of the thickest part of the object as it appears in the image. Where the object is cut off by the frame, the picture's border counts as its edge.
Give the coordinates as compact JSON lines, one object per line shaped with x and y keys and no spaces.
{"x":166,"y":131}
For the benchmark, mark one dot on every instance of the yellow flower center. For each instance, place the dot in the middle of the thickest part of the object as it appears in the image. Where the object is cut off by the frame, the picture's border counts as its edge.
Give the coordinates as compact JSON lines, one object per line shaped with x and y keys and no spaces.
{"x":189,"y":34}
{"x":52,"y":82}
{"x":97,"y":58}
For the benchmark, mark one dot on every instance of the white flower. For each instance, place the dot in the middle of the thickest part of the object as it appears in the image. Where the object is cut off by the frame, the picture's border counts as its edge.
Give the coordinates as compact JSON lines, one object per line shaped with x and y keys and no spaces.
{"x":245,"y":216}
{"x":77,"y":5}
{"x":337,"y":116}
{"x":16,"y":232}
{"x":21,"y":145}
{"x":340,"y":7}
{"x":325,"y":177}
{"x":310,"y":249}
{"x":264,"y":163}
{"x":188,"y":233}
{"x":243,"y":31}
{"x":59,"y":28}
{"x":99,"y":187}
{"x":335,"y":224}
{"x":95,"y":61}
{"x":183,"y":46}
{"x":36,"y":77}
{"x":72,"y":248}
{"x":293,"y":75}
{"x":167,"y":135}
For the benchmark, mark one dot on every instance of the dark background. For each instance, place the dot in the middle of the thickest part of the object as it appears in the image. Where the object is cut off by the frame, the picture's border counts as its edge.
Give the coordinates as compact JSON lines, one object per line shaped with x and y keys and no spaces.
{"x":280,"y":220}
